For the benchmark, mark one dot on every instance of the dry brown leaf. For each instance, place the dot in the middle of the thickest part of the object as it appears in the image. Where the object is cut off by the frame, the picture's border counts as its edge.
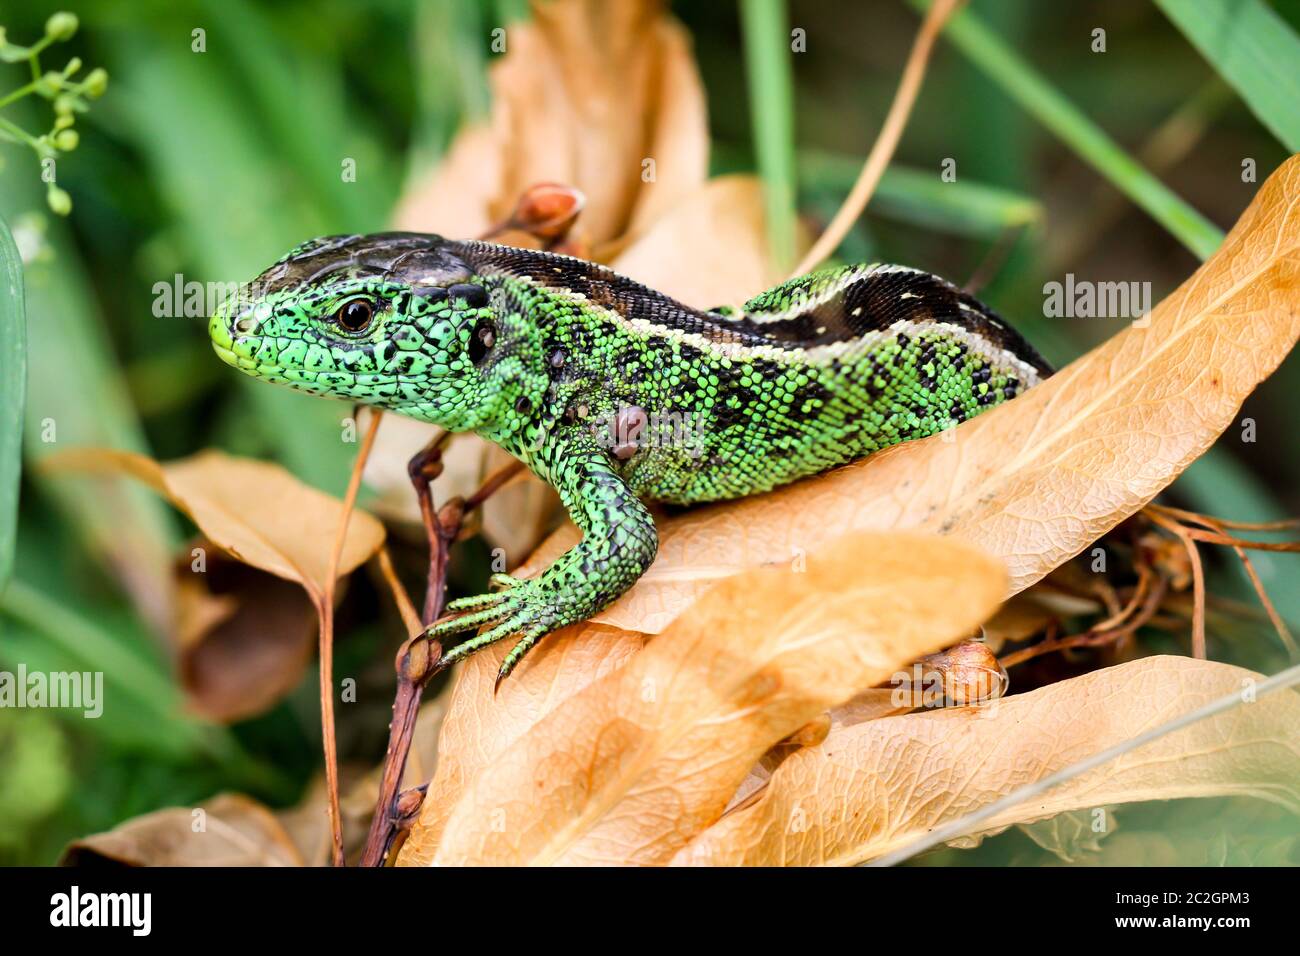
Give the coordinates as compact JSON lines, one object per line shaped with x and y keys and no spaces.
{"x":478,"y":727}
{"x":629,"y":768}
{"x":257,"y":511}
{"x":709,"y":251}
{"x":877,"y":786}
{"x":1038,"y":479}
{"x":585,"y":94}
{"x":457,"y":201}
{"x":235,"y":831}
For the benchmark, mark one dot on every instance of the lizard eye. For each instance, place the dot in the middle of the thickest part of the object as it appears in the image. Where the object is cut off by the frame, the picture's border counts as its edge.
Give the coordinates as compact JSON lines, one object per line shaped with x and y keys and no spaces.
{"x":355,"y":315}
{"x":481,"y":340}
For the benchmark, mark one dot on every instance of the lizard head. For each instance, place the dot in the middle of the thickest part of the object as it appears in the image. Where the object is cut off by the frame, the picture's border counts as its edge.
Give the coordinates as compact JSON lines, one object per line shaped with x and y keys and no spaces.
{"x":398,"y":320}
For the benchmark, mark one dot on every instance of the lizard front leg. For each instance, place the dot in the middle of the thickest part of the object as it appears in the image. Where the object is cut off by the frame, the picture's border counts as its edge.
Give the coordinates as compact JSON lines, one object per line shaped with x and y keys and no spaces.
{"x":619,"y":542}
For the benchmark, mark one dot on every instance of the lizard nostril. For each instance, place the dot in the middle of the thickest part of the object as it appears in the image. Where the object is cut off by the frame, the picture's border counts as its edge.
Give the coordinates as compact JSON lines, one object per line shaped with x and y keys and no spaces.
{"x":245,"y":324}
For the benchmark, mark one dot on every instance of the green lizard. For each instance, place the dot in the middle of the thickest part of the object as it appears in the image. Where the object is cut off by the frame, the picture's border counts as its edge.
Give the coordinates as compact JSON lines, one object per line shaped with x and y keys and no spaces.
{"x":613,"y":393}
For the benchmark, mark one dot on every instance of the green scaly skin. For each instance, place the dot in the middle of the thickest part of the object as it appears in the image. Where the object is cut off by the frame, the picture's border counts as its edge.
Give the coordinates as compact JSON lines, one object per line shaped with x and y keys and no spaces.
{"x":615,"y":394}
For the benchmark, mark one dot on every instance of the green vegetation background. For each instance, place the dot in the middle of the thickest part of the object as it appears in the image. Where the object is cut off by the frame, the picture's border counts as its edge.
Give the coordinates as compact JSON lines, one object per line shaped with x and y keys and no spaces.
{"x":212,"y":165}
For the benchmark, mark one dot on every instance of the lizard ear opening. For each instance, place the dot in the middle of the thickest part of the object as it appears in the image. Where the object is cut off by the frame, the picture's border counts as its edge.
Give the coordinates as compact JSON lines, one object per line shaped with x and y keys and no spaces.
{"x":481,"y":340}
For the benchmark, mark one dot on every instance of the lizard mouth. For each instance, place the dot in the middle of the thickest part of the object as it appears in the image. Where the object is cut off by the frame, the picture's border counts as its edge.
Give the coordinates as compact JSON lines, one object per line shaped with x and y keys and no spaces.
{"x":225,"y":355}
{"x":222,"y":342}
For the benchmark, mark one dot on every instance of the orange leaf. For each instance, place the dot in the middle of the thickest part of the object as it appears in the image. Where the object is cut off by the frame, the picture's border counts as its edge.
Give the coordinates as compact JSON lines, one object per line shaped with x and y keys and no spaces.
{"x":877,"y":786}
{"x":630,"y":767}
{"x":480,"y":726}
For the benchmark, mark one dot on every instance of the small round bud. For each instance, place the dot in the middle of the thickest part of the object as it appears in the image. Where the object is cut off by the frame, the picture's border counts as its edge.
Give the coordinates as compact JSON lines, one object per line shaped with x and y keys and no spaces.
{"x":61,"y":26}
{"x":60,"y":202}
{"x":49,"y":84}
{"x":66,"y":140}
{"x":95,"y":83}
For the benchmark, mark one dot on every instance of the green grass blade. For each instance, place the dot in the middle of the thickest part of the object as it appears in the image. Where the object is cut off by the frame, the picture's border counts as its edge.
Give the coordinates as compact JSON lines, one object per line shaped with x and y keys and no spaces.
{"x":963,"y":207}
{"x":1254,"y":50}
{"x":1046,"y":104}
{"x":771,"y":106}
{"x":13,"y":392}
{"x":75,"y":395}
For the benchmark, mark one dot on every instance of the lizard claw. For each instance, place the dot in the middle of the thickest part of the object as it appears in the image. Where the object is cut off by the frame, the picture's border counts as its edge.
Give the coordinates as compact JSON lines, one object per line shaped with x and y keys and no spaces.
{"x":503,"y":582}
{"x":516,"y":654}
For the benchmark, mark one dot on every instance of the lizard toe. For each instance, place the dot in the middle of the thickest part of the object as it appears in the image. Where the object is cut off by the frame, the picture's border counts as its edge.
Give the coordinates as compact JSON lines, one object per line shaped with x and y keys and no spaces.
{"x":467,"y":622}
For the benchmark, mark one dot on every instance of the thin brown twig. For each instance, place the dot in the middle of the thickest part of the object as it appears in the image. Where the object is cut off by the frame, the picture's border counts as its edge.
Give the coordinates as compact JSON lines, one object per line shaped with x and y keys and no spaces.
{"x":410,"y":616}
{"x":418,"y":657}
{"x":326,"y":613}
{"x":422,"y":469}
{"x":891,"y":131}
{"x":1276,"y":619}
{"x":1284,"y":524}
{"x":1209,"y":537}
{"x":494,"y":483}
{"x":1141,"y":614}
{"x":1198,"y":578}
{"x":1217,"y":525}
{"x":1124,"y":613}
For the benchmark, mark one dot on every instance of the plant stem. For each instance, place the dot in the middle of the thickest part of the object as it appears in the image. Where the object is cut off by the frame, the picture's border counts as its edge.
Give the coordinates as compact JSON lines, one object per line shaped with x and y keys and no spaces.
{"x":771,"y":105}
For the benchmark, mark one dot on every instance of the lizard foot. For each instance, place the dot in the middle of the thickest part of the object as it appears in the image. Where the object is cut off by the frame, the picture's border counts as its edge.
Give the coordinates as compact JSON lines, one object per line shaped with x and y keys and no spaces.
{"x":522,"y":609}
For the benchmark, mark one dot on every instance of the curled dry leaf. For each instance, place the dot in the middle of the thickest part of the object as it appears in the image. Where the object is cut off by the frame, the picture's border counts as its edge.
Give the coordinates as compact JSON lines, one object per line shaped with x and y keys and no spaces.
{"x":258,"y":512}
{"x":966,"y":673}
{"x":586,"y":91}
{"x":877,"y":786}
{"x":1038,"y":479}
{"x":627,"y":769}
{"x":243,"y":637}
{"x":236,"y":831}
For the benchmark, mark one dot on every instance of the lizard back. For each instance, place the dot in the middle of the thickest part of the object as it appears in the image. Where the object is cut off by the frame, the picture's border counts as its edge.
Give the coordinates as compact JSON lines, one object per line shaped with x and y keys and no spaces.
{"x":701,"y":405}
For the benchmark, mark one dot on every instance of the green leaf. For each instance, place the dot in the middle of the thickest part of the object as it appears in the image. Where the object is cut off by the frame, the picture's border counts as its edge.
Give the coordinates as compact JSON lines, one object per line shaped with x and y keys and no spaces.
{"x":1050,"y":107}
{"x":13,"y":391}
{"x":1254,"y":50}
